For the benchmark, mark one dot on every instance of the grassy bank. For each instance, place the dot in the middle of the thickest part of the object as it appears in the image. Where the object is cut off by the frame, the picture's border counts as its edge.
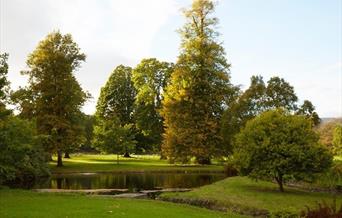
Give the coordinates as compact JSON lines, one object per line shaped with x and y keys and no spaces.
{"x":243,"y":195}
{"x":108,"y":163}
{"x":19,"y":203}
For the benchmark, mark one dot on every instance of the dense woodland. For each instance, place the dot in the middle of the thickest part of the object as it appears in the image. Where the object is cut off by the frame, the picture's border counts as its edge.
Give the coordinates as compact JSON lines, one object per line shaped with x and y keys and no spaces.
{"x":188,"y":111}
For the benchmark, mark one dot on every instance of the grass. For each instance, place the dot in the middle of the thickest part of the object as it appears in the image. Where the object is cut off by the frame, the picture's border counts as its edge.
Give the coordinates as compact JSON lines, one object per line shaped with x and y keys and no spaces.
{"x":240,"y":194}
{"x":20,"y":203}
{"x":107,"y":163}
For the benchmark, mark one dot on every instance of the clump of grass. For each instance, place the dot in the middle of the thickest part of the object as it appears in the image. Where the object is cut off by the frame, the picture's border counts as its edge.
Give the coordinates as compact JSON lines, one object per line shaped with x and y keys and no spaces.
{"x":323,"y":210}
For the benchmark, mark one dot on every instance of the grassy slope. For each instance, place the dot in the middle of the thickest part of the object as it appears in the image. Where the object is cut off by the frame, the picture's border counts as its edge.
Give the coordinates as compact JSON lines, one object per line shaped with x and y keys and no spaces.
{"x":19,"y":203}
{"x":242,"y":194}
{"x":107,"y":163}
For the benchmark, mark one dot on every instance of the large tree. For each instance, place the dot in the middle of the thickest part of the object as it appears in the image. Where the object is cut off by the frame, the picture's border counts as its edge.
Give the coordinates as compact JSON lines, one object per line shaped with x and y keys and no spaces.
{"x":277,"y":145}
{"x":260,"y":97}
{"x":114,"y":109}
{"x":150,"y":78}
{"x":58,"y":97}
{"x":199,"y":89}
{"x":21,"y":157}
{"x":247,"y":105}
{"x":280,"y":94}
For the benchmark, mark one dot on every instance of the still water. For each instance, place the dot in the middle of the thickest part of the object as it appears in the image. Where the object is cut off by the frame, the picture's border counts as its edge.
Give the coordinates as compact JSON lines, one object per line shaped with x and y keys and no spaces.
{"x":131,"y":181}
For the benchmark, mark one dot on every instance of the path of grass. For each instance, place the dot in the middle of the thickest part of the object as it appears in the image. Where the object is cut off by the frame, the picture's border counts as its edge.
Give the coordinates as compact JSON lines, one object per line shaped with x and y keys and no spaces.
{"x":107,"y":163}
{"x":19,"y":203}
{"x":246,"y":196}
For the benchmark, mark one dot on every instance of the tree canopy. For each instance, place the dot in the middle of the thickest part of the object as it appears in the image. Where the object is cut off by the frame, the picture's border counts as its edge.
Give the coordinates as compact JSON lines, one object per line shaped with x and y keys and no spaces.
{"x":199,"y":89}
{"x":277,"y":145}
{"x":150,"y":78}
{"x":113,"y":131}
{"x":58,"y":97}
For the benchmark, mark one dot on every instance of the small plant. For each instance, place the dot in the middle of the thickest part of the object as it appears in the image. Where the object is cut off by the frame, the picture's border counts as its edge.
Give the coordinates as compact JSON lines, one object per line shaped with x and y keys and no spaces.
{"x":323,"y":210}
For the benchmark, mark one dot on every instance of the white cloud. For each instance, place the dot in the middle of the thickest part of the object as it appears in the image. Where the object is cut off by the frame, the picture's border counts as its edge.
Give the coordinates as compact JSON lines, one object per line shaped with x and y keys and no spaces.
{"x":109,"y":32}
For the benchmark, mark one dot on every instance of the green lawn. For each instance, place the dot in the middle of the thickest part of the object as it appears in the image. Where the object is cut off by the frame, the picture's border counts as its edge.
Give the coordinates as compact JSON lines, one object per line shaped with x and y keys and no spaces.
{"x":243,"y":195}
{"x":19,"y":203}
{"x":107,"y":163}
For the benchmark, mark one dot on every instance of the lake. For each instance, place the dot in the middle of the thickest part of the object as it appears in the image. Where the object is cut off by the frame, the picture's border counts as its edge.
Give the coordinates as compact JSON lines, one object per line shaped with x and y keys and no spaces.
{"x":131,"y":181}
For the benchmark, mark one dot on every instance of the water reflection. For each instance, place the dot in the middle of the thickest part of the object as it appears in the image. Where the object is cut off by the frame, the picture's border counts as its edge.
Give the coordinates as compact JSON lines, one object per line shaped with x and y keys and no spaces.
{"x":131,"y":181}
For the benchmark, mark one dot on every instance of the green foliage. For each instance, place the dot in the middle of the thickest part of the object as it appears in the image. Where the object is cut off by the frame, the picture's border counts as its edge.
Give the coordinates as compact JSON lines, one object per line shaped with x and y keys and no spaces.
{"x":199,"y":90}
{"x":24,"y":100}
{"x":114,"y":129}
{"x":4,"y":84}
{"x":277,"y":145}
{"x":248,"y":105}
{"x":57,"y":96}
{"x":150,"y":78}
{"x":337,"y":140}
{"x":280,"y":94}
{"x":88,"y":122}
{"x":308,"y":110}
{"x":326,"y":131}
{"x":259,"y":98}
{"x":117,"y":96}
{"x":111,"y":137}
{"x":21,"y":156}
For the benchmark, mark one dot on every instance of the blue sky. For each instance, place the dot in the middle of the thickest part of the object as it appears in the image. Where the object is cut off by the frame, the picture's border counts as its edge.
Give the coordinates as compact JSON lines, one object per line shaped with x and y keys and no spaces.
{"x":300,"y":41}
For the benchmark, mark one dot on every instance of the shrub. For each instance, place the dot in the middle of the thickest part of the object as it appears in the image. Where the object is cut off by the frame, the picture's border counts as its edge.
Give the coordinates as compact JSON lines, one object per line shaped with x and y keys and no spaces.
{"x":21,"y":156}
{"x":323,"y":210}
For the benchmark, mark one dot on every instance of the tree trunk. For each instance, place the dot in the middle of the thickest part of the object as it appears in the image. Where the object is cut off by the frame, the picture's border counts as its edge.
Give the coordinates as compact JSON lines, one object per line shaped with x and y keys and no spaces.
{"x":59,"y":159}
{"x":279,"y":180}
{"x":203,"y":160}
{"x":162,"y":156}
{"x":127,"y":154}
{"x":66,"y":155}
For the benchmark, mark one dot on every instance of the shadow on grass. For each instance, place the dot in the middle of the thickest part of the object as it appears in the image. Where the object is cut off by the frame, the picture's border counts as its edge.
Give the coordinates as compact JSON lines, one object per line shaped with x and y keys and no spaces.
{"x":274,"y":190}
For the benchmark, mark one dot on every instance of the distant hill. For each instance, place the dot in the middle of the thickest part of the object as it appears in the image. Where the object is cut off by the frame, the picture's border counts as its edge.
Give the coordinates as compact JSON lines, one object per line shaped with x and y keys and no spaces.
{"x":330,"y":119}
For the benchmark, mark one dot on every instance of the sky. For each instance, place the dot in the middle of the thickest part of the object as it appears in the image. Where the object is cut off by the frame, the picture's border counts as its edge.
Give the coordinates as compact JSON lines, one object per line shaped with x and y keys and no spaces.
{"x":300,"y":41}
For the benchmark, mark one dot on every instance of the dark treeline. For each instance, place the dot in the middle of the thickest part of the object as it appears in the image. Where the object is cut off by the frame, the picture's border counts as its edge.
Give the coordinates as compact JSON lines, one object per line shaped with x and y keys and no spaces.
{"x":183,"y":111}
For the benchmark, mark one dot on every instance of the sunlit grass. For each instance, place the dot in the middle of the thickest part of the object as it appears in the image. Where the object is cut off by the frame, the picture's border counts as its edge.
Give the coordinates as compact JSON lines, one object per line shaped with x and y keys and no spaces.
{"x":19,"y":203}
{"x":246,"y":194}
{"x":109,"y":163}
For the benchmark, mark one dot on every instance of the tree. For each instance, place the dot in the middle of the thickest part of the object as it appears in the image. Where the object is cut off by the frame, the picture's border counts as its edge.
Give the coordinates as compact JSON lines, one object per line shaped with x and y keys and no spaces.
{"x":58,"y":95}
{"x":115,"y":106}
{"x":111,"y":137}
{"x":277,"y":145}
{"x":337,"y":139}
{"x":259,"y":98}
{"x":150,"y":78}
{"x":4,"y":84}
{"x":199,"y":90}
{"x":308,"y":110}
{"x":24,"y":99}
{"x":21,"y":157}
{"x":88,"y":122}
{"x":246,"y":106}
{"x":326,"y":131}
{"x":280,"y":94}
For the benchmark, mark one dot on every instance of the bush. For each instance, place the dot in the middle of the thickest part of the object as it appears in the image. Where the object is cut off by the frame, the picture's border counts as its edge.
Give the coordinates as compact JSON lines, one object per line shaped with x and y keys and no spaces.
{"x":323,"y":210}
{"x":21,"y":156}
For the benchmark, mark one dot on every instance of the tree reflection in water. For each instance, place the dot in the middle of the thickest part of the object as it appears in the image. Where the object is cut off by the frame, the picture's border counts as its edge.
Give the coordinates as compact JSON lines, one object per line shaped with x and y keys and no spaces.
{"x":131,"y":181}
